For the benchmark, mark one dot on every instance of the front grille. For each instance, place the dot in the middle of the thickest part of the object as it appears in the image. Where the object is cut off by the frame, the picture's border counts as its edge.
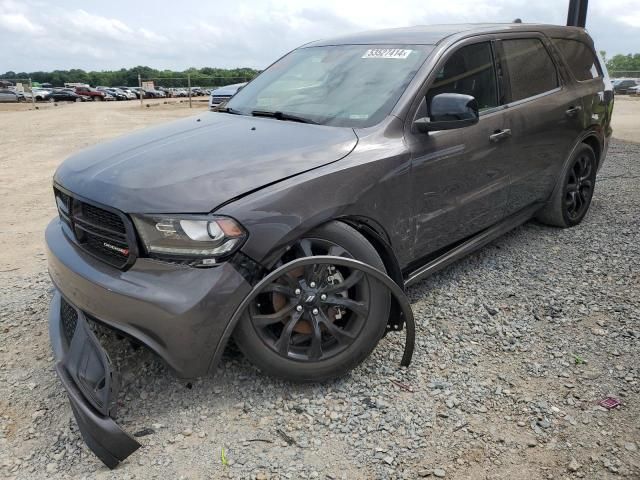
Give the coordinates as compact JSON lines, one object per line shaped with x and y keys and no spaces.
{"x":220,"y":98}
{"x":69,"y":317}
{"x":99,"y":231}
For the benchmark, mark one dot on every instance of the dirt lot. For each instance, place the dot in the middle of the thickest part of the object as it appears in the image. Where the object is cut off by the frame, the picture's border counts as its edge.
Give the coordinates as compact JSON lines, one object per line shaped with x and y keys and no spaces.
{"x":516,"y":345}
{"x":34,"y":142}
{"x":626,"y":119}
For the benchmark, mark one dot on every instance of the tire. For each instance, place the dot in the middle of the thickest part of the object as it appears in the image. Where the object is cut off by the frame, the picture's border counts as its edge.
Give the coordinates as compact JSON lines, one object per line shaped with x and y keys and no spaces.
{"x":570,"y":202}
{"x":257,"y":348}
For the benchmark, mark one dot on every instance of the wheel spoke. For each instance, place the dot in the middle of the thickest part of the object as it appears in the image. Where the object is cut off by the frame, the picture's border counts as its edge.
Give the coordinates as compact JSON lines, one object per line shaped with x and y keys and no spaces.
{"x":353,"y":279}
{"x":315,"y":352}
{"x":359,"y":308}
{"x":342,"y":336}
{"x":282,"y":345}
{"x":587,"y":184}
{"x":279,"y":288}
{"x":572,"y":187}
{"x":263,"y":320}
{"x":578,"y":200}
{"x":305,"y":247}
{"x":338,"y":251}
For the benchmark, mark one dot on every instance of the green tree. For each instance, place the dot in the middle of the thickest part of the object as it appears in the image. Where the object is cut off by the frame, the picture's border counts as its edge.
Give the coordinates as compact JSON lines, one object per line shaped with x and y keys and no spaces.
{"x":201,"y":77}
{"x":624,"y":63}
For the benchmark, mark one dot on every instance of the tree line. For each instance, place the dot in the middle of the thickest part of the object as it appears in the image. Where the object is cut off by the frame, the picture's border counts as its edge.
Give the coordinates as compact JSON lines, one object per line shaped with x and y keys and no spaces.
{"x":201,"y":77}
{"x":207,"y":76}
{"x":623,"y":63}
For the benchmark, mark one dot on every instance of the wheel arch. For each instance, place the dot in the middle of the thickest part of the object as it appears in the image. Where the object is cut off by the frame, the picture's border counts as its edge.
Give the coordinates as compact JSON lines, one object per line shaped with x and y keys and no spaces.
{"x":589,"y":138}
{"x":594,"y":142}
{"x":375,"y":234}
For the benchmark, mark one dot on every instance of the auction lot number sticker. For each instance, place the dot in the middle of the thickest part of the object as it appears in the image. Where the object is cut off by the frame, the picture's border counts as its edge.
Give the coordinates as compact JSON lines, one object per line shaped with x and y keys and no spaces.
{"x":398,"y":53}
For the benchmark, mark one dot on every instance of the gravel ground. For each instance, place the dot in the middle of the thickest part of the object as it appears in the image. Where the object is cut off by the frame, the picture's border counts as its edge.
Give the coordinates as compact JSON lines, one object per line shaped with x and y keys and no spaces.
{"x":516,"y":345}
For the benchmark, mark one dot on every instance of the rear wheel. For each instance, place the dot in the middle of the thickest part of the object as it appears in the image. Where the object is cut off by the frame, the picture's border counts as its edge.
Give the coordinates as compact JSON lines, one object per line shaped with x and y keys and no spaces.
{"x":317,"y":322}
{"x":571,"y":201}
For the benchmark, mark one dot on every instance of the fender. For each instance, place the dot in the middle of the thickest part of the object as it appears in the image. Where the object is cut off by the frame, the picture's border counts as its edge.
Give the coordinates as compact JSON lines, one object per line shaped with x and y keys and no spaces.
{"x":396,"y":293}
{"x":372,"y":182}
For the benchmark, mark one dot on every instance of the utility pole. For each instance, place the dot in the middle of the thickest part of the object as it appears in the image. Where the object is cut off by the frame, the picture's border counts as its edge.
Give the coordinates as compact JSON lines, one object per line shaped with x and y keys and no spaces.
{"x":33,"y":96}
{"x":577,"y":15}
{"x":189,"y":85}
{"x":140,"y":91}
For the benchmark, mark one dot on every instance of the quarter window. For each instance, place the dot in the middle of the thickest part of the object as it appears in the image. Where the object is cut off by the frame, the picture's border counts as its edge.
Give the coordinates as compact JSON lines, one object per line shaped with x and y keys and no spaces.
{"x":580,"y":58}
{"x":469,"y":71}
{"x":531,"y":70}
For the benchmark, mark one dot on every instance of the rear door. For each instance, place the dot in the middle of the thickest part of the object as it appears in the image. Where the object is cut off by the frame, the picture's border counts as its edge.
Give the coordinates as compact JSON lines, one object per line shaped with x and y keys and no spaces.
{"x":591,"y":83}
{"x":544,"y":115}
{"x":460,"y":177}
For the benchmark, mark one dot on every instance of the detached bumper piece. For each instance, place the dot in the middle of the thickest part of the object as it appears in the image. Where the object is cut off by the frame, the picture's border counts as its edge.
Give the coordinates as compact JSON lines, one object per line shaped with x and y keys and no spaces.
{"x":85,"y":371}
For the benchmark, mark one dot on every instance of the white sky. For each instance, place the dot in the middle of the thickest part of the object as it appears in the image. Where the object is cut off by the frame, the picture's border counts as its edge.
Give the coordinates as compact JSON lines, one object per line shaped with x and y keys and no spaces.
{"x":103,"y":35}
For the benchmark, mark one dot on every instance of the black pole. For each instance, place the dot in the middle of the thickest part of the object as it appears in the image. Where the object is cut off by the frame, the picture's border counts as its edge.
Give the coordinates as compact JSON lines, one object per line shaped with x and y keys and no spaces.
{"x":577,"y":15}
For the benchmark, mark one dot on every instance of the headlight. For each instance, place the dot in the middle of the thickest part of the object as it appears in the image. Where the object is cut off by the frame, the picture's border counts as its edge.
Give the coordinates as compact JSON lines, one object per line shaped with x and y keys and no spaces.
{"x":200,"y":238}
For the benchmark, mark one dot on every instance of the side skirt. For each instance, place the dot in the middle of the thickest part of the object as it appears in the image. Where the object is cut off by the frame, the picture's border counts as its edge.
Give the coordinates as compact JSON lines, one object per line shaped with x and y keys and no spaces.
{"x":478,"y":241}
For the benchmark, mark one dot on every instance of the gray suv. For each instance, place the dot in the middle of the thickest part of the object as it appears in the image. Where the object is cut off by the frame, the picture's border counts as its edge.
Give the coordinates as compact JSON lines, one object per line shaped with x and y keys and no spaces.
{"x":404,"y":149}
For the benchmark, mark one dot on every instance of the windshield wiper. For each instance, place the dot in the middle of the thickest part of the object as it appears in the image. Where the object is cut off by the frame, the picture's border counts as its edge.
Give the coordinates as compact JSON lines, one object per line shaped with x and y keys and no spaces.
{"x":281,"y":116}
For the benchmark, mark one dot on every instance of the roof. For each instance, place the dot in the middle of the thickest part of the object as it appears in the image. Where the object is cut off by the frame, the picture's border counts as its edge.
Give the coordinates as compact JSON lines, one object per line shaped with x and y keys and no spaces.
{"x":434,"y":34}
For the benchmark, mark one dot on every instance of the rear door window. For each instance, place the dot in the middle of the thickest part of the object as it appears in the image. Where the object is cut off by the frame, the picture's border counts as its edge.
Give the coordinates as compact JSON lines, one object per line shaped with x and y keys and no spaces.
{"x":531,"y":69}
{"x":580,"y":58}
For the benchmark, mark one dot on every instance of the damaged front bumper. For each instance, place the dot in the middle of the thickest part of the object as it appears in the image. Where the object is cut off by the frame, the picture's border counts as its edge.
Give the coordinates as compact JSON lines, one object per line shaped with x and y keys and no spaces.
{"x":86,"y":373}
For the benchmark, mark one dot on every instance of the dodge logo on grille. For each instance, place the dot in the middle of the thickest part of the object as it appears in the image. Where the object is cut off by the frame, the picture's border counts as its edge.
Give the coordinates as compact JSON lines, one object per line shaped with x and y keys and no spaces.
{"x":123,"y":251}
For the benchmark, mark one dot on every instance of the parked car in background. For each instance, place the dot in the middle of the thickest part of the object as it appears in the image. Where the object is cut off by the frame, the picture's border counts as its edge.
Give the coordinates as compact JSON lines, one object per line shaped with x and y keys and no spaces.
{"x":64,"y":95}
{"x":154,"y":93}
{"x":634,"y":91}
{"x":116,"y":93}
{"x":9,"y":96}
{"x":223,"y":94}
{"x":83,"y":98}
{"x":623,"y":85}
{"x":41,"y":94}
{"x":95,"y":94}
{"x":131,"y":95}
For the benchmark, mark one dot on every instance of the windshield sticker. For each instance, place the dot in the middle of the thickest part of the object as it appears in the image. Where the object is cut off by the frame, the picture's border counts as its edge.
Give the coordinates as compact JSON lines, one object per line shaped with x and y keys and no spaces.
{"x":355,"y":116}
{"x":398,"y":53}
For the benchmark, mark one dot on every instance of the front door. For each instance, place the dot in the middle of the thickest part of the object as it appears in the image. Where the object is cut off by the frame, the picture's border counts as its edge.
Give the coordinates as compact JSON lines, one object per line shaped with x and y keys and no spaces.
{"x":460,"y":177}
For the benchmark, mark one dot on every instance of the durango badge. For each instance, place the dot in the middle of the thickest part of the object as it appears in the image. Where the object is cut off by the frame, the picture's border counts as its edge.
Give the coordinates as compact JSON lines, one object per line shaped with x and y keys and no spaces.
{"x":123,"y":251}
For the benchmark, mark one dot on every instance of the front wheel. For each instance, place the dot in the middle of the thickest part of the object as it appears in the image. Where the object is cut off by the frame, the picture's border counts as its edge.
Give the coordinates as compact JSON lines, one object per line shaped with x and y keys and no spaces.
{"x":572,"y":198}
{"x":319,"y":322}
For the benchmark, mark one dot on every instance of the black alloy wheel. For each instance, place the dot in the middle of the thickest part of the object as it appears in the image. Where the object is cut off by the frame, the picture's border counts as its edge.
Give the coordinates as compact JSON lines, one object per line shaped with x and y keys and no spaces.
{"x":315,"y":312}
{"x":579,"y":187}
{"x":570,"y":200}
{"x":317,"y":321}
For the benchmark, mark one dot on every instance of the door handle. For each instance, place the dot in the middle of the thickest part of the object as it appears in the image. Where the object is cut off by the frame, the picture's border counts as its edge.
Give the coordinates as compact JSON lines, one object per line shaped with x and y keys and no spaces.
{"x":573,"y":111}
{"x":500,"y":135}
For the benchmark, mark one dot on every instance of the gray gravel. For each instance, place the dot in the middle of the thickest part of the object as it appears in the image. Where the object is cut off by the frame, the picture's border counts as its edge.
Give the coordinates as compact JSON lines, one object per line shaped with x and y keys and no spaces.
{"x":516,"y":345}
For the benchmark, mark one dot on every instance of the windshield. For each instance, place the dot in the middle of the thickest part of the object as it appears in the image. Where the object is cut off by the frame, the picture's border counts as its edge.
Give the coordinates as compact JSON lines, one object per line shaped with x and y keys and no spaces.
{"x":343,"y":85}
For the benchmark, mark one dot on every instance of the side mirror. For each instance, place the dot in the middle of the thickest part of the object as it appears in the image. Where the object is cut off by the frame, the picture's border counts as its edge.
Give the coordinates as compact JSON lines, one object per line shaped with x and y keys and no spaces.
{"x":449,"y":111}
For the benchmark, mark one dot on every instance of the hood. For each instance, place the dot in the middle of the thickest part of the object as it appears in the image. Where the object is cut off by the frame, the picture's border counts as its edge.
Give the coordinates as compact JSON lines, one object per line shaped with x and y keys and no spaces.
{"x":195,"y":164}
{"x":228,"y":89}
